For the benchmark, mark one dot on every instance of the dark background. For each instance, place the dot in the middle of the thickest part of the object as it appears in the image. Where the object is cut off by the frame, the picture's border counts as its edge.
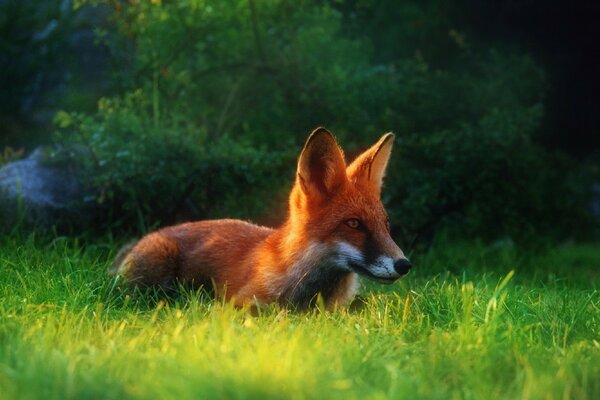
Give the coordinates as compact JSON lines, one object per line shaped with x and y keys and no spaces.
{"x":563,"y":36}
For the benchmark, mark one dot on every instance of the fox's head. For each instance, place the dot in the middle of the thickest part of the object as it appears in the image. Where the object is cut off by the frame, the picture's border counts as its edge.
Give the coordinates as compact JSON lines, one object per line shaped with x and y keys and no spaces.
{"x":339,"y":207}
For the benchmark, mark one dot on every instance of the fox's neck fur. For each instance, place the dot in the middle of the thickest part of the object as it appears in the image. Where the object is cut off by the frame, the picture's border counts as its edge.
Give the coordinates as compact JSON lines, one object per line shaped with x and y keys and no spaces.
{"x":302,"y":269}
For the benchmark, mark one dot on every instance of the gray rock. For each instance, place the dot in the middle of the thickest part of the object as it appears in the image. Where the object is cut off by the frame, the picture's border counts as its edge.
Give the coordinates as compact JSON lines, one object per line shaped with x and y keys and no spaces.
{"x":36,"y":193}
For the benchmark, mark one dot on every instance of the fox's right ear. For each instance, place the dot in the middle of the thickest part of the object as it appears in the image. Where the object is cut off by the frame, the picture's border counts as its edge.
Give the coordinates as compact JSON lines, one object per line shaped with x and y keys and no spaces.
{"x":369,"y":167}
{"x":321,"y":166}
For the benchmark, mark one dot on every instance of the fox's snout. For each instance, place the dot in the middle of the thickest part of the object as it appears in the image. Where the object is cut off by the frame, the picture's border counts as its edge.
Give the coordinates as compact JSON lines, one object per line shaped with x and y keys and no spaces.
{"x":382,"y":268}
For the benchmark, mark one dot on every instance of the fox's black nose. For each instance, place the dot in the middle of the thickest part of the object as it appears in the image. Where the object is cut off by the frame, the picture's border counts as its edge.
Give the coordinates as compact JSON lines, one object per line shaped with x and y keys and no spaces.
{"x":402,"y":266}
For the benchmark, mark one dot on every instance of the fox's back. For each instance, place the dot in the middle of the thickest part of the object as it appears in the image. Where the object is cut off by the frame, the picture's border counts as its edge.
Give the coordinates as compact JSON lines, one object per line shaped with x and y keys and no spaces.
{"x":210,"y":253}
{"x":216,"y":248}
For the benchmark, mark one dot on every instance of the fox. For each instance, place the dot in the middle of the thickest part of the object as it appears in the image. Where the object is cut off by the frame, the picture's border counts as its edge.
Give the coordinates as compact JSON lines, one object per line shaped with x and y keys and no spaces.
{"x":336,"y":230}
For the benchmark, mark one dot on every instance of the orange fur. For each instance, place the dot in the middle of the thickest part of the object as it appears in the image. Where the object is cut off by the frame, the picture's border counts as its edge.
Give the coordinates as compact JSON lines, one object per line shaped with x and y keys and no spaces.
{"x":318,"y":250}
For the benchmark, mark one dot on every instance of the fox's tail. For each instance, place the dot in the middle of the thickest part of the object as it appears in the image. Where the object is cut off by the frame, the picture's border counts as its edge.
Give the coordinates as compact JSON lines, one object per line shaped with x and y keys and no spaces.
{"x":151,"y":261}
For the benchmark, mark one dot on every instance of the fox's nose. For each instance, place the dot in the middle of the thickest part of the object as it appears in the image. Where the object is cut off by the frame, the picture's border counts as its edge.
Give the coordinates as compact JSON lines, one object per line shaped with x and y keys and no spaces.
{"x":402,"y":266}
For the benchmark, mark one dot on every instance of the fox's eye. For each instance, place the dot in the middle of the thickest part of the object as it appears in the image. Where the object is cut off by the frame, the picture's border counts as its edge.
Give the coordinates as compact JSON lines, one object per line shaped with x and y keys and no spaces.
{"x":353,"y":223}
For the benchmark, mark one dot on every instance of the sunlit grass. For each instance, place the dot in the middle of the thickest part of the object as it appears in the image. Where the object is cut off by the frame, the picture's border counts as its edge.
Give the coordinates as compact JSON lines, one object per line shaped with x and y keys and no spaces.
{"x":472,"y":321}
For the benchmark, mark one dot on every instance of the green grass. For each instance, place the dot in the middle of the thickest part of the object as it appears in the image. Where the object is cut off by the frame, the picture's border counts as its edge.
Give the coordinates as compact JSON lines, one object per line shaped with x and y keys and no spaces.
{"x":462,"y":325}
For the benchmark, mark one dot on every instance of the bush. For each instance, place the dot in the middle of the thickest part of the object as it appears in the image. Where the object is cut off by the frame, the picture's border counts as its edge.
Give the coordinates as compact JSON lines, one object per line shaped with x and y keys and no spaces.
{"x":489,"y":179}
{"x":218,"y":98}
{"x":142,"y":175}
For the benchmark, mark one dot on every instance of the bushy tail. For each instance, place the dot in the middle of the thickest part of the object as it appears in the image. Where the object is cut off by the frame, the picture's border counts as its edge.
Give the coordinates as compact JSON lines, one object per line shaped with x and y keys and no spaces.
{"x":150,"y":262}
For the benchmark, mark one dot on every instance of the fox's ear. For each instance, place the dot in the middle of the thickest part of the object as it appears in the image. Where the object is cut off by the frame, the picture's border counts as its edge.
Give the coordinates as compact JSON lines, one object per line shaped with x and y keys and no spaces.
{"x":369,"y":167}
{"x":321,"y":166}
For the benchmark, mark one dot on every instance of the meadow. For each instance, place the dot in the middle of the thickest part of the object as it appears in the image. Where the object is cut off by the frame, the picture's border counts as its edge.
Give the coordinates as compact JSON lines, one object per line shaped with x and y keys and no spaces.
{"x":470,"y":321}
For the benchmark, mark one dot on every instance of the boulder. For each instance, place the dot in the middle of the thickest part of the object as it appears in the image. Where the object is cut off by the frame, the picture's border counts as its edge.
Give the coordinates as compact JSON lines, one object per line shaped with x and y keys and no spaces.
{"x":37,"y":193}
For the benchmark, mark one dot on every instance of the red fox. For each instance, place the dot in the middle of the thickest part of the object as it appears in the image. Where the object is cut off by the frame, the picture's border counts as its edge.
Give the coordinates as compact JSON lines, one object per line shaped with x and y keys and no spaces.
{"x":336,"y":229}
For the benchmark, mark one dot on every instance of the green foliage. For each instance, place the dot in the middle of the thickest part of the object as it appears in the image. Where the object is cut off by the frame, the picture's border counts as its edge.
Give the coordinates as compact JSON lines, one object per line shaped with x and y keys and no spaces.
{"x":224,"y":82}
{"x":461,"y":325}
{"x":490,"y":179}
{"x":142,"y":174}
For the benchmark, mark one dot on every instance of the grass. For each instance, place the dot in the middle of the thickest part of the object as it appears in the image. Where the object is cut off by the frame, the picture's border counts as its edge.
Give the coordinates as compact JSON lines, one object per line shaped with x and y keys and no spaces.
{"x":471,"y":321}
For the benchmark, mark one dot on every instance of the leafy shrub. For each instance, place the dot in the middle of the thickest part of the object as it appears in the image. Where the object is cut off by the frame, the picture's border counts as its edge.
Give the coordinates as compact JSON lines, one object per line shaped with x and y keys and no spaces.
{"x":490,"y":179}
{"x":219,"y":96}
{"x":141,"y":175}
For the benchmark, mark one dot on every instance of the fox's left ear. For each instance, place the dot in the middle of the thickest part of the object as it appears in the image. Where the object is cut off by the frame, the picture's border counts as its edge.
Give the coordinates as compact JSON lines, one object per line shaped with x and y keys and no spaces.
{"x":369,"y":167}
